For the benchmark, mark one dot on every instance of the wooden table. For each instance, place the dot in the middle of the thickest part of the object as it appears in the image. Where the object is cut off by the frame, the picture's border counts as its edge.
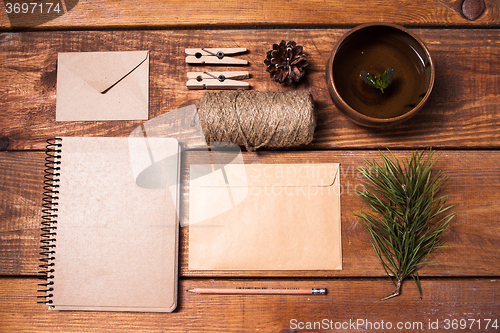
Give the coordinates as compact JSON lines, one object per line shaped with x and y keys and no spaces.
{"x":461,"y":120}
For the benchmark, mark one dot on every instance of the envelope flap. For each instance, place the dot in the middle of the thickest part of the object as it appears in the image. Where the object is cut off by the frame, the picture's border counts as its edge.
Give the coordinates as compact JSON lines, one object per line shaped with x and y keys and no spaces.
{"x":308,"y":174}
{"x":102,"y":70}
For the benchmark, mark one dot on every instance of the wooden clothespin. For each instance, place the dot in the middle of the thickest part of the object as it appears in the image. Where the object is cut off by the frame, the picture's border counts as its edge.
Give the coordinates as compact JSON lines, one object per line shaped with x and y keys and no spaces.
{"x":217,"y":80}
{"x":213,"y":56}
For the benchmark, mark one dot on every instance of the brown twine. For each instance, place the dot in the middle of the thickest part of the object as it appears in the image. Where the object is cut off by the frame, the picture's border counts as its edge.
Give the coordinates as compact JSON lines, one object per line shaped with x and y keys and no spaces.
{"x":255,"y":119}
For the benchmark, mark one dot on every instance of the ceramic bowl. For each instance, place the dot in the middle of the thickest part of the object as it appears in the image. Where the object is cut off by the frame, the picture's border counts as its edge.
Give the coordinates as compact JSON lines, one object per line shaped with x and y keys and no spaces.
{"x":374,"y":48}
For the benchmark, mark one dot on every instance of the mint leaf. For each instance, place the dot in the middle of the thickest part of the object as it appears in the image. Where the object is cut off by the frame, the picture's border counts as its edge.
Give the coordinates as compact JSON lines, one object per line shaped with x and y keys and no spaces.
{"x":381,"y":81}
{"x":389,"y":73}
{"x":368,"y":78}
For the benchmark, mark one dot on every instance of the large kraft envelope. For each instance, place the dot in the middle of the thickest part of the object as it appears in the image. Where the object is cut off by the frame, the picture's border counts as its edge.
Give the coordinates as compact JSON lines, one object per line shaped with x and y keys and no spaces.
{"x":265,"y":217}
{"x":102,"y":86}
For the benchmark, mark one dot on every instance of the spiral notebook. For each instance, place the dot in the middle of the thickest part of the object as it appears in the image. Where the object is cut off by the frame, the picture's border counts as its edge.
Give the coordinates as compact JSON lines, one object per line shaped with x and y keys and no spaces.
{"x":110,"y":234}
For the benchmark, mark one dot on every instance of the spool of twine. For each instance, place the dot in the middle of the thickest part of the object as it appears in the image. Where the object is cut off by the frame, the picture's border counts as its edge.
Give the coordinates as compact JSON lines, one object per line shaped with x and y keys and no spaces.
{"x":255,"y":119}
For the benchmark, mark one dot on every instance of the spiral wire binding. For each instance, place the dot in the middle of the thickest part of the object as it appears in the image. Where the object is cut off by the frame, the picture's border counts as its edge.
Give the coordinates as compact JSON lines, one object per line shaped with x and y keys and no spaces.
{"x":49,"y":217}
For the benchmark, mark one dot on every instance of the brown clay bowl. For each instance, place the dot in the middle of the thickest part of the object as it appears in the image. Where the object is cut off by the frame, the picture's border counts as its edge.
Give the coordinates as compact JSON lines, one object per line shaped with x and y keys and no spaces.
{"x":374,"y":48}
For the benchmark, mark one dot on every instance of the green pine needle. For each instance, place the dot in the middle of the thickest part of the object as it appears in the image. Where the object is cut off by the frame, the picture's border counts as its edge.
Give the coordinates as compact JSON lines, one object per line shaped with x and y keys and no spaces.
{"x":406,"y":220}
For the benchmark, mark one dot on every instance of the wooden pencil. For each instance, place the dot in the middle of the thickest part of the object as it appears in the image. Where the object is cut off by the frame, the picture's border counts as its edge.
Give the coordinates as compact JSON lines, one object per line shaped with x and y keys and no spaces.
{"x":256,"y":291}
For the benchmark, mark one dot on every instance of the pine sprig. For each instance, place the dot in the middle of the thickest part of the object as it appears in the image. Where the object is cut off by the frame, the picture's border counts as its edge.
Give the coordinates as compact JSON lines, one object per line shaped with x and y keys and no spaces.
{"x":404,"y":201}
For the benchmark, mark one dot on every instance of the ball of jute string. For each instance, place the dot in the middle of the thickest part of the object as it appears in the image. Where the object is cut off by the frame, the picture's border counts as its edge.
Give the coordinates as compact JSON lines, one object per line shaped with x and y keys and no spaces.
{"x":255,"y":119}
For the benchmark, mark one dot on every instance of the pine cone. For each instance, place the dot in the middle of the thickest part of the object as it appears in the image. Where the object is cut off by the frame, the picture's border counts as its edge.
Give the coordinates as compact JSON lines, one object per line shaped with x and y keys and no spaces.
{"x":286,"y":62}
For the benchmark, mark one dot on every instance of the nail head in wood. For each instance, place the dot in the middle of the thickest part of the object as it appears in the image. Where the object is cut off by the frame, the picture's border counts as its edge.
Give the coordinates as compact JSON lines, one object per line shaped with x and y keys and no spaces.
{"x":473,"y":9}
{"x":4,"y":142}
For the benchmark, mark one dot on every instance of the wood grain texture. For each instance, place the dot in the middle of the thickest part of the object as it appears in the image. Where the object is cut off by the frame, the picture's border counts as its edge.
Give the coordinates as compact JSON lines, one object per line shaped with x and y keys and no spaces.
{"x":177,"y":13}
{"x":21,"y":186}
{"x":461,"y":118}
{"x":473,"y":237}
{"x":347,"y":301}
{"x":462,"y":111}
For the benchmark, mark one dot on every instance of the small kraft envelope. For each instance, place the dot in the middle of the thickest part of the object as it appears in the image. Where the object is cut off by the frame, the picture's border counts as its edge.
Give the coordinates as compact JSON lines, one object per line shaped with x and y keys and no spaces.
{"x":102,"y":86}
{"x":265,"y":217}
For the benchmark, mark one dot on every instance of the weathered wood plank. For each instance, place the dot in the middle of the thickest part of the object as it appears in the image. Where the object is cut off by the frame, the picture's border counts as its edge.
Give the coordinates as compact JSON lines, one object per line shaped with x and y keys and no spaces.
{"x":346,"y":308}
{"x":473,"y":237}
{"x":462,"y":111}
{"x":177,"y":13}
{"x":21,"y":185}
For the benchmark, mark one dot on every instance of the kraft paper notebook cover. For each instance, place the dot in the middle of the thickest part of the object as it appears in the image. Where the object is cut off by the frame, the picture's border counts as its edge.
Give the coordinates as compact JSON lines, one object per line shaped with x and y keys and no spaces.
{"x":115,"y":230}
{"x":265,"y":217}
